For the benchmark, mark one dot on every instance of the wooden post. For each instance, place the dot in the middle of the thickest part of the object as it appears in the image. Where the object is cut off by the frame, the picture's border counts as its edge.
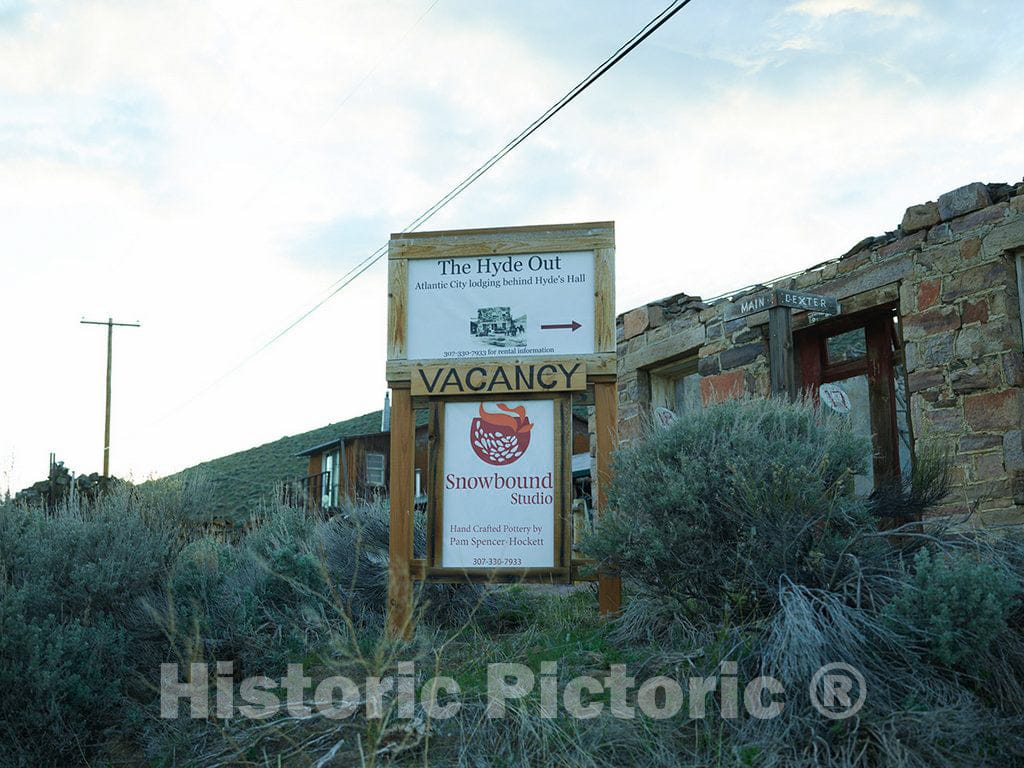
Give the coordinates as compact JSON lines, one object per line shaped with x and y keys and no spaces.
{"x":882,"y":397}
{"x":110,"y":351}
{"x":401,"y":521}
{"x":609,"y":586}
{"x":780,"y":352}
{"x":106,"y":421}
{"x":344,"y":470}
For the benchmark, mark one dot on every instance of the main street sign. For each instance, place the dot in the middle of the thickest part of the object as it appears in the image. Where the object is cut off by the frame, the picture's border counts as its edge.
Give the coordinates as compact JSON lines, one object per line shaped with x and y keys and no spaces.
{"x":779,"y":304}
{"x":781,"y":297}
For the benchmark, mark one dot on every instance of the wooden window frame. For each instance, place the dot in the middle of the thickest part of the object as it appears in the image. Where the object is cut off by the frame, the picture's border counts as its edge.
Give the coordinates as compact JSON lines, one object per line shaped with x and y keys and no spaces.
{"x":884,"y":352}
{"x":383,"y":470}
{"x":663,"y":378}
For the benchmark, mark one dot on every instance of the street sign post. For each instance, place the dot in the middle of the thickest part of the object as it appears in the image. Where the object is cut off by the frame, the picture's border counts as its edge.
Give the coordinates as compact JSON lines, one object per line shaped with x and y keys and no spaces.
{"x":780,"y":297}
{"x":497,"y":332}
{"x":780,"y":303}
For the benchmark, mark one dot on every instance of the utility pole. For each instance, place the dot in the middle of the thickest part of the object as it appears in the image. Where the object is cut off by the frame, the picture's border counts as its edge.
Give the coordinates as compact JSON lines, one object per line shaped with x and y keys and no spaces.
{"x":110,"y":349}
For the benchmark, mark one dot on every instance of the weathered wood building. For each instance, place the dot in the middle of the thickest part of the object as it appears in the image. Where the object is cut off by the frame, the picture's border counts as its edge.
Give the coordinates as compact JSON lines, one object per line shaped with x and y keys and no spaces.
{"x":927,"y":349}
{"x":355,"y":466}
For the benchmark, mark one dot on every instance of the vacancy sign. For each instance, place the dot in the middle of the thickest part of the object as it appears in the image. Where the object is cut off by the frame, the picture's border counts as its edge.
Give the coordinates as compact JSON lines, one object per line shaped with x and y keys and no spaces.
{"x":498,"y":488}
{"x":501,"y":306}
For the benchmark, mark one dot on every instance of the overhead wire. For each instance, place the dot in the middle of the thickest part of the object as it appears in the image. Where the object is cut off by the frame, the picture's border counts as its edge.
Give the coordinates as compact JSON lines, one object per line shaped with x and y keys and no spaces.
{"x":361,"y":267}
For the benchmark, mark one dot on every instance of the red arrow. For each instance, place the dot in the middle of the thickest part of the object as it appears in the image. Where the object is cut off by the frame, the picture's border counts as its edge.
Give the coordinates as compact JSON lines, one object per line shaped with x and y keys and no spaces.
{"x":572,"y":326}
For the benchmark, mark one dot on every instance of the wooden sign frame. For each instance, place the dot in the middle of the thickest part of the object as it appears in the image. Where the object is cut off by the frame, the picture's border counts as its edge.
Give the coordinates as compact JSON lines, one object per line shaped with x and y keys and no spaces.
{"x":560,"y":572}
{"x":598,"y":237}
{"x":600,"y":378}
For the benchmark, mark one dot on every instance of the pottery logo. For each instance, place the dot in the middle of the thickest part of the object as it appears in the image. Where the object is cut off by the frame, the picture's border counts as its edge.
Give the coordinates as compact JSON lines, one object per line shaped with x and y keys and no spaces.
{"x":500,"y":438}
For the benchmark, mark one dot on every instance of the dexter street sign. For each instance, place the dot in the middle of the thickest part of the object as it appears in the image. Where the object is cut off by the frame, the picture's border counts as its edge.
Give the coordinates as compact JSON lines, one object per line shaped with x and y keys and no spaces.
{"x":811,"y":302}
{"x":780,"y":297}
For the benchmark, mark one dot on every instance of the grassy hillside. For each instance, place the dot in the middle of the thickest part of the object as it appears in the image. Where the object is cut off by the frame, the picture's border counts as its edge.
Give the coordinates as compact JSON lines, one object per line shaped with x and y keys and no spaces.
{"x":240,"y":481}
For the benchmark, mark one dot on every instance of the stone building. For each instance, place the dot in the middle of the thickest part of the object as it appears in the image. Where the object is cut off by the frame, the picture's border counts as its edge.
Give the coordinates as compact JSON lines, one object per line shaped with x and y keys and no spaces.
{"x":926,"y":350}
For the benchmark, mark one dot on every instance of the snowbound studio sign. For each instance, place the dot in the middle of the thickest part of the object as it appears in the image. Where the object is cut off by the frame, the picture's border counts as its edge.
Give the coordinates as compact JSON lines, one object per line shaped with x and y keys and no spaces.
{"x":501,"y":306}
{"x":498,"y":486}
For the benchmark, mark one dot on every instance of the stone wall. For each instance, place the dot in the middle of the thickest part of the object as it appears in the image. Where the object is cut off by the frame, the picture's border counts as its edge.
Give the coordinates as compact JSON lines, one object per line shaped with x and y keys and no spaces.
{"x":950,"y":270}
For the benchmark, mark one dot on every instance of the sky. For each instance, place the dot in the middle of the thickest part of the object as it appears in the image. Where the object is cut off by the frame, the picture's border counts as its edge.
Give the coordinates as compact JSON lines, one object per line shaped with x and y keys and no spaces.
{"x":211,"y":169}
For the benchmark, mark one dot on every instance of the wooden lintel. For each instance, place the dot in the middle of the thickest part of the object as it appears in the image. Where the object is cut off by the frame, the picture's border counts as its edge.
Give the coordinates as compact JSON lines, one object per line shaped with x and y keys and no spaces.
{"x":506,"y":240}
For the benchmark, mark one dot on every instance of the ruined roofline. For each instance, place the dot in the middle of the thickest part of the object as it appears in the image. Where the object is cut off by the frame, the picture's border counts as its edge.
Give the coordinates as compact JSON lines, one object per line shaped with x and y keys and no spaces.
{"x":953,"y":205}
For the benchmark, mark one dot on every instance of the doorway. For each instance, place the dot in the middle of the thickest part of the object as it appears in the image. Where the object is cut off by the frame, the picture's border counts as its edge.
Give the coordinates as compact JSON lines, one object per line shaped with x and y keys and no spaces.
{"x":855,"y":365}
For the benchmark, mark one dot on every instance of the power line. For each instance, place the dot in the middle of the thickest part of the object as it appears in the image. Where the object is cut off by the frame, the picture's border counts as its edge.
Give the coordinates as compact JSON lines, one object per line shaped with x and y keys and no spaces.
{"x":647,"y":30}
{"x":110,"y":355}
{"x":358,"y":269}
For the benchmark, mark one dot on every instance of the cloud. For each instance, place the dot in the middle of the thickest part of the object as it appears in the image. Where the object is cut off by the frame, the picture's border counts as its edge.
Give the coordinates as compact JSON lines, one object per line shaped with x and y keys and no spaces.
{"x":825,"y":8}
{"x":212,"y":172}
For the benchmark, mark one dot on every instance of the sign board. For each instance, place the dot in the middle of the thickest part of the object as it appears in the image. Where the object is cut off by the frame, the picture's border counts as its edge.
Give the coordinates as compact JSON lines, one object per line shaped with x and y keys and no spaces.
{"x":501,"y":490}
{"x":500,"y":332}
{"x":780,"y":297}
{"x":522,"y":293}
{"x":835,"y":397}
{"x":498,"y":378}
{"x":664,"y":417}
{"x":809,"y":302}
{"x":519,"y":305}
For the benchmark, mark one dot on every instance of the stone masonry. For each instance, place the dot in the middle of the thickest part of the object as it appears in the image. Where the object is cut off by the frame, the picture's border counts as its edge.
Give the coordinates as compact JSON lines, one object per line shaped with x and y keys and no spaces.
{"x":950,"y":269}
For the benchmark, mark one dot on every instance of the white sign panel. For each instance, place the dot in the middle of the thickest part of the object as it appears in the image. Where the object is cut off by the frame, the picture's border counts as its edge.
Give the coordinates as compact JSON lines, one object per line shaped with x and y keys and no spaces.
{"x":665,"y":417}
{"x":498,"y":502}
{"x":835,"y":398}
{"x":501,"y":306}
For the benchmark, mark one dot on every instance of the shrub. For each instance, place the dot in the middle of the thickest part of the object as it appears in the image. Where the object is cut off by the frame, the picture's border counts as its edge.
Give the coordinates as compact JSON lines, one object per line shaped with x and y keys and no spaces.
{"x":710,"y":513}
{"x":957,"y":602}
{"x":291,"y":585}
{"x":739,"y":537}
{"x":72,"y":648}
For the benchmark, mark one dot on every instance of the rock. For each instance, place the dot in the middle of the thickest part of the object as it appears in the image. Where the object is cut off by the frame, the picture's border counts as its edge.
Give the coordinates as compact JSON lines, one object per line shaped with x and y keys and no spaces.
{"x":1000,"y":192}
{"x":975,"y":312}
{"x":903,"y":244}
{"x":993,"y":411}
{"x":930,"y":352}
{"x":926,"y":379}
{"x":931,"y":322}
{"x":963,"y":200}
{"x":734,"y":357}
{"x":655,"y":315}
{"x":635,"y":322}
{"x":709,"y":366}
{"x":920,"y":217}
{"x":973,"y":379}
{"x":977,"y":341}
{"x":724,"y":386}
{"x":1013,"y":369}
{"x":988,"y":215}
{"x":976,"y":279}
{"x":1013,"y":449}
{"x":983,"y":442}
{"x":970,"y":248}
{"x":928,"y":293}
{"x":1005,"y":237}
